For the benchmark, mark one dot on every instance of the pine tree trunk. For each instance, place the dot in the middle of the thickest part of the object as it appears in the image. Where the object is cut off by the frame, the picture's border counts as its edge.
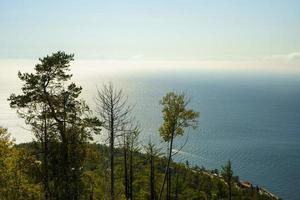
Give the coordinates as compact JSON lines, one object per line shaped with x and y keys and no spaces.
{"x":46,"y":151}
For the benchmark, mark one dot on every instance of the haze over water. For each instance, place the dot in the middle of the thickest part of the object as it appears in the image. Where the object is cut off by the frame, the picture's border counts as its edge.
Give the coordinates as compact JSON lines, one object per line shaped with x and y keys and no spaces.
{"x":251,"y":118}
{"x":238,"y":60}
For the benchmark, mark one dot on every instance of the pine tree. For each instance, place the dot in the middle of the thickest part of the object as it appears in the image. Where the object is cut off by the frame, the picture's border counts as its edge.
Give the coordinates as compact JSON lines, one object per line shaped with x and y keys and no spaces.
{"x":49,"y":104}
{"x":227,"y":174}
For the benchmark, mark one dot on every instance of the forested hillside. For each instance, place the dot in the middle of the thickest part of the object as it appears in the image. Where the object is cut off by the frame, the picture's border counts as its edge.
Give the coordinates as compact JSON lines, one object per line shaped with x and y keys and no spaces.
{"x":65,"y":162}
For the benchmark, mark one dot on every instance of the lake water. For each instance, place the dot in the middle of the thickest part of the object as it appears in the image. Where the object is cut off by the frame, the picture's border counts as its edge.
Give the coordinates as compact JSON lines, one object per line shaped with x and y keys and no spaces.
{"x":251,"y":118}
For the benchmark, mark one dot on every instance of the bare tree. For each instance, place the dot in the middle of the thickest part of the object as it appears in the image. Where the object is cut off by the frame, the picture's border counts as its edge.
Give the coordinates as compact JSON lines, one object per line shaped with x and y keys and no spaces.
{"x":125,"y":154}
{"x":132,"y":147}
{"x":114,"y":112}
{"x":129,"y":142}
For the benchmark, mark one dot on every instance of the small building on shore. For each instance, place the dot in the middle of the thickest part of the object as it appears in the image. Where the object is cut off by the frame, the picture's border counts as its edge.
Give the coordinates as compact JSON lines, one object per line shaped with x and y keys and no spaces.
{"x":246,"y":184}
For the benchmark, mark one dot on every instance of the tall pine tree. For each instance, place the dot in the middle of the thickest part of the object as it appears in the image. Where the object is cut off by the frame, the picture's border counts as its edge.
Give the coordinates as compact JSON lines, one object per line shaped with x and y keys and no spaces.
{"x":50,"y":104}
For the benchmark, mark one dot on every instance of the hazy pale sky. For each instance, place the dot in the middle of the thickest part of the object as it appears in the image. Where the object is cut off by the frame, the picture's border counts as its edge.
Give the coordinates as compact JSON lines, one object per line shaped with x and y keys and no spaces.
{"x":151,"y":30}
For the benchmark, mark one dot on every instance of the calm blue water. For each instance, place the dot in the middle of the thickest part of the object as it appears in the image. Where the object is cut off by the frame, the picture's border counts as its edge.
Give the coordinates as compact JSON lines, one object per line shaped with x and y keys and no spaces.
{"x":252,"y":119}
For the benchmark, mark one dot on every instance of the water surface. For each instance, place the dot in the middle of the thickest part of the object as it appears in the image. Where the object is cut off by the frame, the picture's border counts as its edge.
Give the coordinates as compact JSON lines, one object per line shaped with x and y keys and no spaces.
{"x":253,"y":119}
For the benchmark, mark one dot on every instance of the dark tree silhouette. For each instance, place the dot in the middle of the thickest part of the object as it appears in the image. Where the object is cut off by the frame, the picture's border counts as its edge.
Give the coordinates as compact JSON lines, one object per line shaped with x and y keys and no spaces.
{"x":58,"y":119}
{"x":152,"y":152}
{"x":114,"y":112}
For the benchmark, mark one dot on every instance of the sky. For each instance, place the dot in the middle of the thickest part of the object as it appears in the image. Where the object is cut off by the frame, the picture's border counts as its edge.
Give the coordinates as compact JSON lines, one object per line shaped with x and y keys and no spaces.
{"x":184,"y":30}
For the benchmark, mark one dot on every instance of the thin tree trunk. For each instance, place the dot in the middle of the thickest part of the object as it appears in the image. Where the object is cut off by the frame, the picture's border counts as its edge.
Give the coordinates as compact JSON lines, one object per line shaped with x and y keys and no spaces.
{"x":169,"y":184}
{"x":168,"y":165}
{"x":131,"y":175}
{"x":67,"y":192}
{"x":126,"y":182}
{"x":176,"y":186}
{"x":168,"y":194}
{"x":112,"y":177}
{"x":46,"y":151}
{"x":113,"y":112}
{"x":229,"y":185}
{"x":65,"y":142}
{"x":152,"y":184}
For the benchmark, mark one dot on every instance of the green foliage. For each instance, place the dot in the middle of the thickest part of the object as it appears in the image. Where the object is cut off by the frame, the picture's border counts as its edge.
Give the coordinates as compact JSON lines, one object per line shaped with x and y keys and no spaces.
{"x":62,"y":163}
{"x":176,"y":116}
{"x":17,"y":167}
{"x":192,"y":184}
{"x":227,"y":172}
{"x":61,"y":122}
